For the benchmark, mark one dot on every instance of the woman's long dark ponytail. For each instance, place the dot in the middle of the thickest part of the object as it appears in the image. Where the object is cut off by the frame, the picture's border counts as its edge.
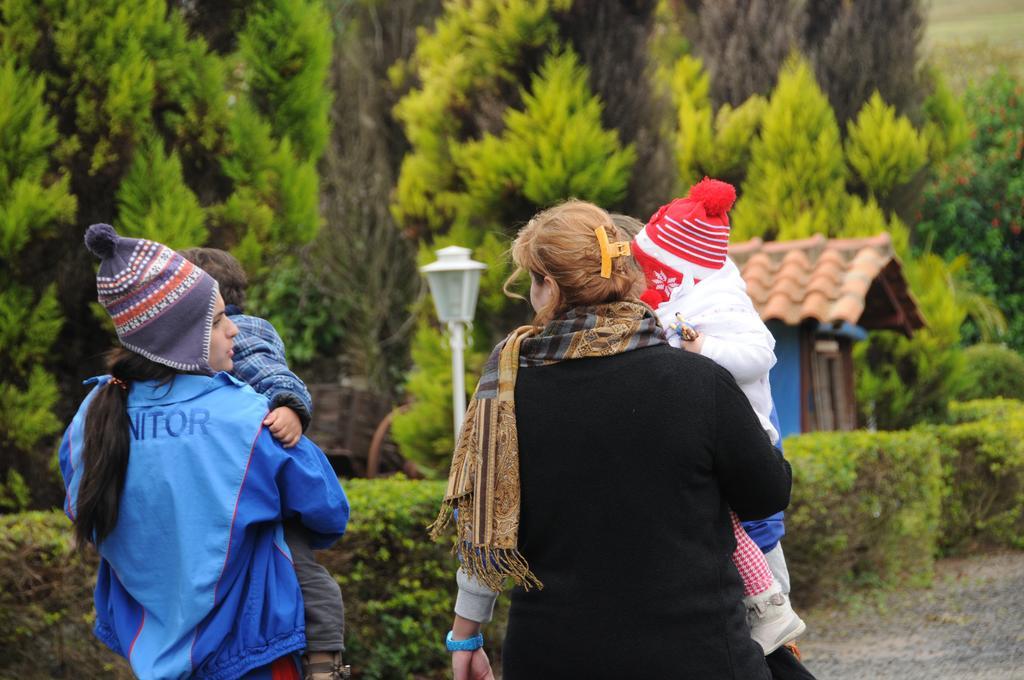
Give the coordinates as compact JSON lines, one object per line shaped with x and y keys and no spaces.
{"x":107,"y":444}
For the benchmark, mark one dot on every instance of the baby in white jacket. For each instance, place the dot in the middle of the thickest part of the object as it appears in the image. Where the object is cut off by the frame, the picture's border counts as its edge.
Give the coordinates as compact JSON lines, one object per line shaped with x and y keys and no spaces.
{"x":701,"y":300}
{"x":729,"y":332}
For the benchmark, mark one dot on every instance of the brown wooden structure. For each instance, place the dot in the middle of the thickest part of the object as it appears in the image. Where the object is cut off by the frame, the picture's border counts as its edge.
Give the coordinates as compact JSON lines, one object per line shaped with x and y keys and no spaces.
{"x":347,"y":425}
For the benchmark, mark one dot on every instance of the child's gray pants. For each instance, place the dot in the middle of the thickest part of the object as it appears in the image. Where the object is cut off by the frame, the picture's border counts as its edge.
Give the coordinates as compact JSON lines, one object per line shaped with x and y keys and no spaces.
{"x":325,"y":611}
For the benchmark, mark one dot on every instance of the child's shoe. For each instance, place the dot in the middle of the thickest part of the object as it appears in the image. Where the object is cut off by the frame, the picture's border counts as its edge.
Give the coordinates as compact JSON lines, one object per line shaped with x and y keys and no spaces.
{"x":772,"y":620}
{"x":319,"y":669}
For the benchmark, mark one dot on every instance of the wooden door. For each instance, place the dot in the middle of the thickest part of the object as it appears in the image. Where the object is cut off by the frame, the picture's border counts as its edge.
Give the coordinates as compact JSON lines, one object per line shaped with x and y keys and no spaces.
{"x":829,"y":394}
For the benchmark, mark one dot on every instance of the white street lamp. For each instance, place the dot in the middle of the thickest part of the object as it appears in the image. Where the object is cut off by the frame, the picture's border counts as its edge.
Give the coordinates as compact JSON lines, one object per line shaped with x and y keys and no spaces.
{"x":454,"y":282}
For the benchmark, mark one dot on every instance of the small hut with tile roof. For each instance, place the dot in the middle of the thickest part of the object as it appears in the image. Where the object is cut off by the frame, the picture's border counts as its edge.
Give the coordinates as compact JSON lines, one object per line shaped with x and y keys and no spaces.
{"x":818,"y":296}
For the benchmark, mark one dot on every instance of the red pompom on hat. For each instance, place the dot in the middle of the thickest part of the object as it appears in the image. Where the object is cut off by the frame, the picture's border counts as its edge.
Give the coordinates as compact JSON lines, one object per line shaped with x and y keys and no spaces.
{"x":715,"y":195}
{"x":687,"y":237}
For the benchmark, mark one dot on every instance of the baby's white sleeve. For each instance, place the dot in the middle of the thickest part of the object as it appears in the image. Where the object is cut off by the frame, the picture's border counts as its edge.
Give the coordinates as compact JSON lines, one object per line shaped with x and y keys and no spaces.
{"x":747,"y":355}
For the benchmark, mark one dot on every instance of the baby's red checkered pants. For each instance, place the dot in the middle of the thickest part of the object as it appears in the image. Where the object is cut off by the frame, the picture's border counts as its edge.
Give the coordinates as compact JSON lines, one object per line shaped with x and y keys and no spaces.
{"x":750,"y":562}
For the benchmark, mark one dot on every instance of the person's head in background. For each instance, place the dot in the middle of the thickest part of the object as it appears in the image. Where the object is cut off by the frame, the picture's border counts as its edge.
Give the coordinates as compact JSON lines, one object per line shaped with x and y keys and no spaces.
{"x":222,"y":266}
{"x":630,"y":225}
{"x":560,"y":249}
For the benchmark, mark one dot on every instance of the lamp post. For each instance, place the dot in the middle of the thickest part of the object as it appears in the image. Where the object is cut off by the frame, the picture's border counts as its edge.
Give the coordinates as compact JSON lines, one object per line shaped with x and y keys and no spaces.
{"x":454,"y":281}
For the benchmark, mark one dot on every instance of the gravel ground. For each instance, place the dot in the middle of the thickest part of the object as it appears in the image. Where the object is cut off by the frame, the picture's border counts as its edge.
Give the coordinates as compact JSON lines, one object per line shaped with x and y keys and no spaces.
{"x":968,"y":626}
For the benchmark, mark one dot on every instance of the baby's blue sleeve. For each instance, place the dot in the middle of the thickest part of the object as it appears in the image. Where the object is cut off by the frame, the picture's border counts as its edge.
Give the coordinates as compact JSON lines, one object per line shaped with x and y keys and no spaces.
{"x":260,"y":361}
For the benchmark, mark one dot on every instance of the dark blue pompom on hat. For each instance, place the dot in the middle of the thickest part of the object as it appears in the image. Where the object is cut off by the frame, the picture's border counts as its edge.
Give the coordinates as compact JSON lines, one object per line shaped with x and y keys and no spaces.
{"x":101,"y":240}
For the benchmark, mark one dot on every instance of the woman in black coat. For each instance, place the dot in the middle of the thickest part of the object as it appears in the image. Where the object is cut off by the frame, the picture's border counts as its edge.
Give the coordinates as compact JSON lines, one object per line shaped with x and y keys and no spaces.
{"x":596,"y":468}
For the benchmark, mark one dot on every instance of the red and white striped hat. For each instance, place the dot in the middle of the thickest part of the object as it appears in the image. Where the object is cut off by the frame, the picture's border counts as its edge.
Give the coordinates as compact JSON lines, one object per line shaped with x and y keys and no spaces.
{"x":689,"y":237}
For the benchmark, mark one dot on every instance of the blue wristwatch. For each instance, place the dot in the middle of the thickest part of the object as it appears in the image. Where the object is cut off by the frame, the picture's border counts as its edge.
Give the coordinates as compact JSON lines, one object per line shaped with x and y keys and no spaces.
{"x":468,"y":645}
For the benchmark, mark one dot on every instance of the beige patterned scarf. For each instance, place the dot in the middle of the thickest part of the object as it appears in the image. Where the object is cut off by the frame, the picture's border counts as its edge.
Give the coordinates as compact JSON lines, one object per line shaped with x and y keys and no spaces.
{"x":483,"y":485}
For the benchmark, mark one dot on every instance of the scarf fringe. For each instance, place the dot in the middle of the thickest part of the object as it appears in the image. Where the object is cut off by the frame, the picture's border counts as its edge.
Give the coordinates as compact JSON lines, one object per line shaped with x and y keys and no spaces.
{"x":444,"y":517}
{"x":492,"y":566}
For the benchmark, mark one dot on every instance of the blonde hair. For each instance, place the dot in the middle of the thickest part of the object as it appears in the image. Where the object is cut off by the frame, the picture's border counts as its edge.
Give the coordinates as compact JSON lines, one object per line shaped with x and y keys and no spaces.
{"x":560,"y":242}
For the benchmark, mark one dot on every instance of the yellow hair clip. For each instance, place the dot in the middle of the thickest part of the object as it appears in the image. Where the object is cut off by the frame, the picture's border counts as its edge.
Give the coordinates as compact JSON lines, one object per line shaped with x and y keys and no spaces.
{"x":609,"y":251}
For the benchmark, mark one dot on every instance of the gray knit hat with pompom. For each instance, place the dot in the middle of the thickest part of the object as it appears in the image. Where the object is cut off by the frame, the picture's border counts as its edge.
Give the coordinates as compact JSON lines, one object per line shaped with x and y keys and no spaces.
{"x":161,"y":304}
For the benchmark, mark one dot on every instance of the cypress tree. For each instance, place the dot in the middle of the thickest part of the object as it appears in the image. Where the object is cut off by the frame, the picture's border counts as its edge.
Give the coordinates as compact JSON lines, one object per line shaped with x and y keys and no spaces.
{"x":905,"y":381}
{"x":554,"y":148}
{"x":735,"y":130}
{"x":860,"y":47}
{"x":689,"y":86}
{"x":883,"y":150}
{"x":467,"y":71}
{"x":710,"y":143}
{"x":34,"y":205}
{"x":618,"y":42}
{"x":154,"y":201}
{"x":357,"y":278}
{"x":140,"y":124}
{"x":744,"y":43}
{"x":796,"y":180}
{"x":945,"y":128}
{"x":487,"y":152}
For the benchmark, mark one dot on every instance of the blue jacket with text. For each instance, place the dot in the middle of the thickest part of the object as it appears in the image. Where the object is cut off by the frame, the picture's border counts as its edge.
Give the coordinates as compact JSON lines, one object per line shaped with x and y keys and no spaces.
{"x":196,"y":579}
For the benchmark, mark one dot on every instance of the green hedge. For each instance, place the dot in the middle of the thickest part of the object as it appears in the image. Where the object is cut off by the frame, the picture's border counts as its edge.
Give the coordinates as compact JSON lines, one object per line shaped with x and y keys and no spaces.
{"x":992,"y":371}
{"x":865,"y":510}
{"x":877,"y":507}
{"x":868,"y":508}
{"x":983,"y":465}
{"x":998,"y":409}
{"x":399,"y":587}
{"x":46,"y":610}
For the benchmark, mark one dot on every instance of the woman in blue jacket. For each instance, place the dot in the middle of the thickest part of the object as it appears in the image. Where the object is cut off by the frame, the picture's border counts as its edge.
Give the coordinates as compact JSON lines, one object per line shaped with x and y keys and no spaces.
{"x":171,"y":476}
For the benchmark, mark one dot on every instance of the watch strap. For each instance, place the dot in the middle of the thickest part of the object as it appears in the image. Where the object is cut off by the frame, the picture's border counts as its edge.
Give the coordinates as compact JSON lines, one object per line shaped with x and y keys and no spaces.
{"x":468,"y":645}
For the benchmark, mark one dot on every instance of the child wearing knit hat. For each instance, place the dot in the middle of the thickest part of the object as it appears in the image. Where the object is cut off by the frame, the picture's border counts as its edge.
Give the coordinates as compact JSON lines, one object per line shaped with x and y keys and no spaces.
{"x":260,"y":361}
{"x":701,"y":300}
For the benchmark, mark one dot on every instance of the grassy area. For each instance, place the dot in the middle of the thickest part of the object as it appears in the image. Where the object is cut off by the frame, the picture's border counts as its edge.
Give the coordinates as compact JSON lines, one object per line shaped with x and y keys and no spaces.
{"x":969,"y":39}
{"x":969,"y":21}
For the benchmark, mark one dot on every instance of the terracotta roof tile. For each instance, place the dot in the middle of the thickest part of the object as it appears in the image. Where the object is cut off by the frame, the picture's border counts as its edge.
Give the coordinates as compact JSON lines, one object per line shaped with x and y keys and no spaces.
{"x":857,"y":282}
{"x":849,"y":308}
{"x":828,"y":280}
{"x":778,"y":307}
{"x":792,"y":288}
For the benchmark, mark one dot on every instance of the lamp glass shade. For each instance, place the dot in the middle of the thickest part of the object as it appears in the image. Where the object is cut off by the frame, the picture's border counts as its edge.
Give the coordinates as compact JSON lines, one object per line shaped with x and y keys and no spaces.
{"x":454,"y":281}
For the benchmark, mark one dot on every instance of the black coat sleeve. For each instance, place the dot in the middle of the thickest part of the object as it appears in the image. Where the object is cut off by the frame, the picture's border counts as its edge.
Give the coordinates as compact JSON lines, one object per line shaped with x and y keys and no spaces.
{"x":754,"y":477}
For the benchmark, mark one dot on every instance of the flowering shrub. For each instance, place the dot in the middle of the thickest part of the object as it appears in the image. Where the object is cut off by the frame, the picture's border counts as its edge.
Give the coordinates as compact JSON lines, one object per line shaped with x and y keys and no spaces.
{"x":976,"y":203}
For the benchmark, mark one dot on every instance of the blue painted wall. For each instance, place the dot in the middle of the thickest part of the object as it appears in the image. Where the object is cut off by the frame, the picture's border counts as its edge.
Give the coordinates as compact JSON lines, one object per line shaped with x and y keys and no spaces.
{"x":785,"y":376}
